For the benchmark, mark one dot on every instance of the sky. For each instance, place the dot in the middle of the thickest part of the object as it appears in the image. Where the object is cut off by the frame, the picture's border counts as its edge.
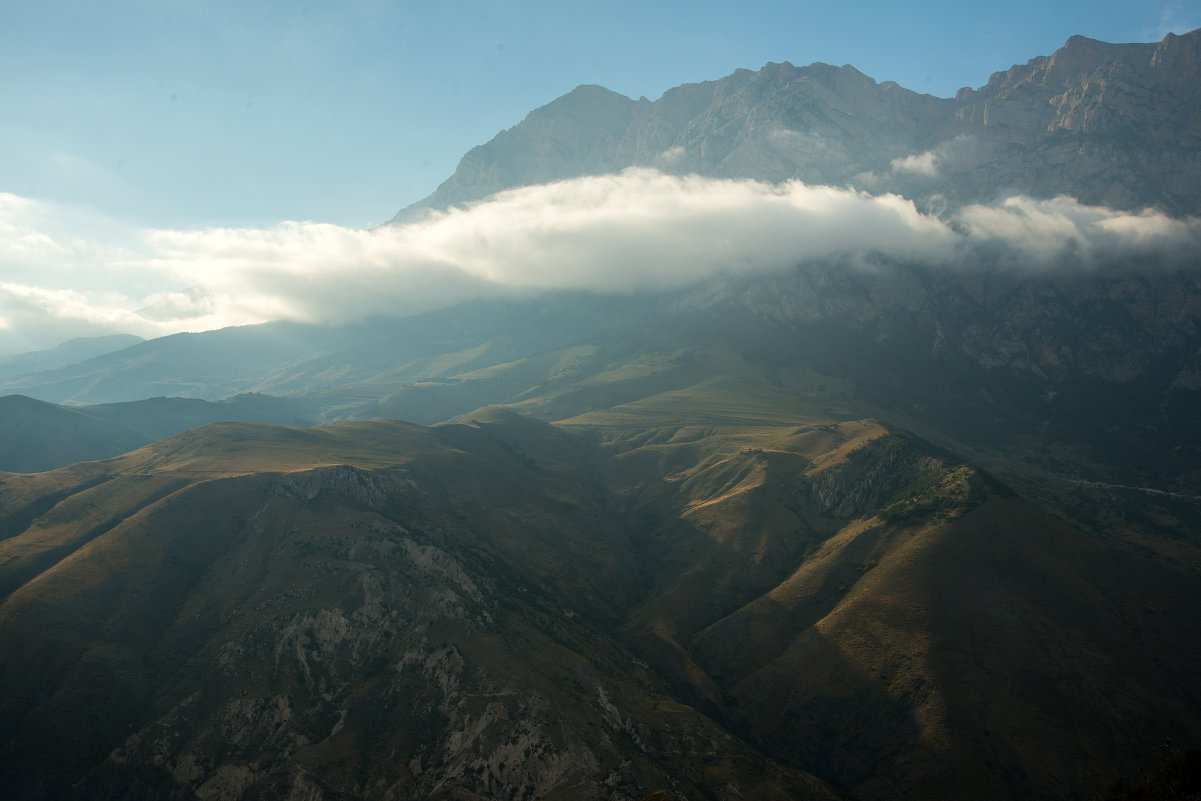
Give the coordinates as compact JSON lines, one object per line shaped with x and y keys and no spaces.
{"x":132,"y":128}
{"x":172,"y":113}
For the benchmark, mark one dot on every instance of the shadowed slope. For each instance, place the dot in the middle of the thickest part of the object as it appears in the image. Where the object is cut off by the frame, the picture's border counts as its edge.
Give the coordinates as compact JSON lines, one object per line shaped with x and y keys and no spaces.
{"x":324,"y":611}
{"x":36,"y":436}
{"x":863,"y":605}
{"x":499,"y":607}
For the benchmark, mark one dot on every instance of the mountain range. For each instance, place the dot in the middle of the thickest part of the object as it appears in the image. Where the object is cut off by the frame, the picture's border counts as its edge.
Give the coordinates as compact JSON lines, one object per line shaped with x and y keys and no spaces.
{"x":859,"y":529}
{"x":1108,"y":124}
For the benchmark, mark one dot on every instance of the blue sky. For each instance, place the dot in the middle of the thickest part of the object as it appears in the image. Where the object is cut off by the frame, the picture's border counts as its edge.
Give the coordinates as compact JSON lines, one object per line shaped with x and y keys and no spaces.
{"x":194,"y":114}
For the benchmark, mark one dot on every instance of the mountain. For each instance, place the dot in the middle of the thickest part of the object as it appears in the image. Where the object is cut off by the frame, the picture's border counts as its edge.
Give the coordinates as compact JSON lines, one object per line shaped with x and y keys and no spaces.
{"x":69,"y":352}
{"x":375,"y":357}
{"x":37,"y":436}
{"x":1091,"y":374}
{"x":1109,"y":124}
{"x":212,"y":365}
{"x":504,"y":608}
{"x":861,"y":527}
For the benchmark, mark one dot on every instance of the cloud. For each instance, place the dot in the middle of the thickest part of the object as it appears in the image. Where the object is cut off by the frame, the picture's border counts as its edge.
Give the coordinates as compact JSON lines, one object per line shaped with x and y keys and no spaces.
{"x":19,"y":235}
{"x":944,"y":159}
{"x":804,"y":146}
{"x":1172,"y":19}
{"x":921,"y":164}
{"x":33,"y":317}
{"x":641,"y":229}
{"x":65,"y":273}
{"x":1063,"y":232}
{"x":637,"y":230}
{"x":670,"y":157}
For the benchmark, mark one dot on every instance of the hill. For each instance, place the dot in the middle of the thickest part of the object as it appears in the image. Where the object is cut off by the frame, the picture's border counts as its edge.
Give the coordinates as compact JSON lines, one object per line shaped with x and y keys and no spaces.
{"x":70,"y":352}
{"x":37,"y":436}
{"x":498,"y":607}
{"x":418,"y":625}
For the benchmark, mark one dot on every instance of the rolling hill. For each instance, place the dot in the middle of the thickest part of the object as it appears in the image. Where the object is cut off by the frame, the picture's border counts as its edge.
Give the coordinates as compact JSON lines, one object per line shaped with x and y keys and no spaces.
{"x":37,"y":436}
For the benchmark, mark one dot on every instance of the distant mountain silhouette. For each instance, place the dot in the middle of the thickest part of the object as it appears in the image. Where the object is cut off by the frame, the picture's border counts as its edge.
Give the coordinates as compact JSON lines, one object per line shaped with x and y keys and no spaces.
{"x":69,"y":352}
{"x":37,"y":436}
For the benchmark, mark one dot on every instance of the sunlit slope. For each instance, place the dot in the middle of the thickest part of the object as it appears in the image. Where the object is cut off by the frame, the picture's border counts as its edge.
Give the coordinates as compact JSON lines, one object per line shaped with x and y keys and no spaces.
{"x":847,"y":597}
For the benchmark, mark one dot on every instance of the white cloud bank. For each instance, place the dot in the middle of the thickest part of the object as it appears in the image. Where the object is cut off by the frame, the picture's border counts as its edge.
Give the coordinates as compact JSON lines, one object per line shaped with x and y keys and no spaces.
{"x":640,"y":229}
{"x":1063,"y":231}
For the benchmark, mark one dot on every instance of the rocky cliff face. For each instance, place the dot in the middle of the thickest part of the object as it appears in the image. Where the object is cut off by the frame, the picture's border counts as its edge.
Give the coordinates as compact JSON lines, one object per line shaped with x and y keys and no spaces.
{"x":1110,"y":124}
{"x":1117,"y":124}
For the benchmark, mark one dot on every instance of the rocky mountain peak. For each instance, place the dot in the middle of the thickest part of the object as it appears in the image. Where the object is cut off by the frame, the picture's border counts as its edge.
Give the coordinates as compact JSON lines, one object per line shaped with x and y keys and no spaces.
{"x":1179,"y":54}
{"x":606,"y":106}
{"x":1111,"y":124}
{"x":1081,"y":55}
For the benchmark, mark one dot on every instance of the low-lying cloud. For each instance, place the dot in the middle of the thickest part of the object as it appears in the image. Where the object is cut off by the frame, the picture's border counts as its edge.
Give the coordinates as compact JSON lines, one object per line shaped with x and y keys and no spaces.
{"x":638,"y":230}
{"x":1064,"y":232}
{"x":920,"y":164}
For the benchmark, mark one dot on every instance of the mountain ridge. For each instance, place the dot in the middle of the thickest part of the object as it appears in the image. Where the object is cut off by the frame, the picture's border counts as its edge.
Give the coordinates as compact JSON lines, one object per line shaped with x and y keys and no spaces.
{"x":834,"y":125}
{"x":745,"y":603}
{"x":70,"y":352}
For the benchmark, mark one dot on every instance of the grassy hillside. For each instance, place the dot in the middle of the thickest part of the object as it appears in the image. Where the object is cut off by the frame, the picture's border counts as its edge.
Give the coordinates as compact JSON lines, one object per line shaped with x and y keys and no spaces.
{"x":36,"y":436}
{"x":499,"y":607}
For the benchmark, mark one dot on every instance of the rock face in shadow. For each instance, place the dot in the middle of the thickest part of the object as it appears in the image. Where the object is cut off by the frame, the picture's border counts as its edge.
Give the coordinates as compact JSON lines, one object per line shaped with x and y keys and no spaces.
{"x":1109,"y":124}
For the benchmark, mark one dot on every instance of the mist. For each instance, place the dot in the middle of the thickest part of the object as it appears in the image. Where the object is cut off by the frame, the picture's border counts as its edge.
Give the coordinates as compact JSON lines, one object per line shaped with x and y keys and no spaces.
{"x":637,"y":230}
